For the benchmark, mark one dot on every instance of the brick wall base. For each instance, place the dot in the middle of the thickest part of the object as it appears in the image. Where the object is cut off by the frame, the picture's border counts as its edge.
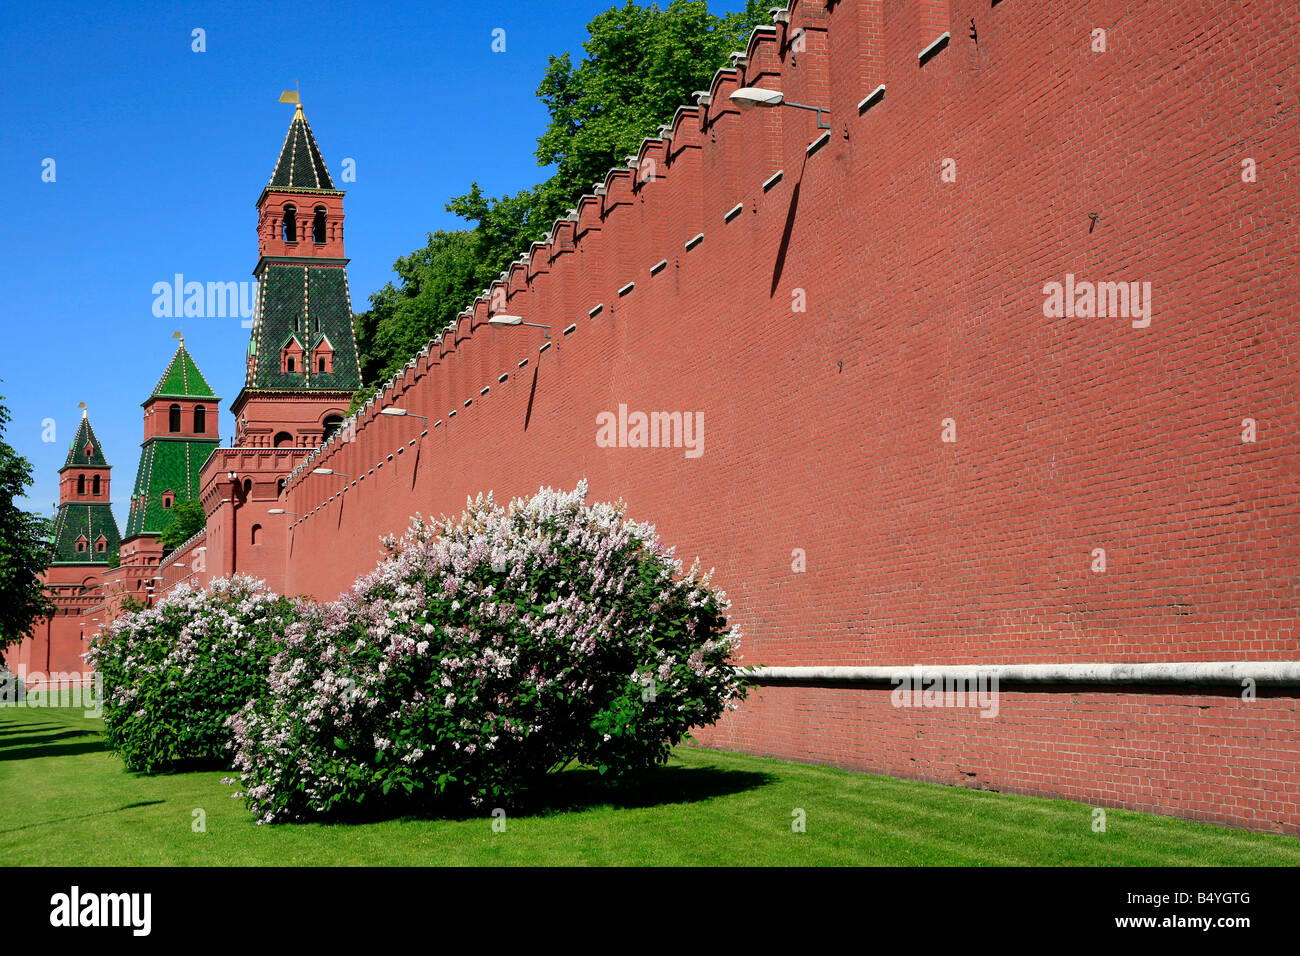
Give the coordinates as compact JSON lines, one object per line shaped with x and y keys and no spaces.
{"x":1202,"y":755}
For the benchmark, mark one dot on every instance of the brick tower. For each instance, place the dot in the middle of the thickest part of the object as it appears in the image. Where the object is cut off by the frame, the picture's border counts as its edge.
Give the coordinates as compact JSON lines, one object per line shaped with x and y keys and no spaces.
{"x":180,"y":433}
{"x":85,"y":537}
{"x":302,"y":354}
{"x":301,"y":368}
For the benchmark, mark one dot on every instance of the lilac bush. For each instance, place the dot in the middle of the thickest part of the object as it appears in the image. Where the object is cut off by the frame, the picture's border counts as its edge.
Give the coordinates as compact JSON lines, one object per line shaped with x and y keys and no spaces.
{"x":173,"y":674}
{"x":482,"y":654}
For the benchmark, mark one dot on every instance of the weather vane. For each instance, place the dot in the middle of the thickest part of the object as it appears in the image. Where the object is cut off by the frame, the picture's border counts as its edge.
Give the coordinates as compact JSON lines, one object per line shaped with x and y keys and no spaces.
{"x":291,"y":96}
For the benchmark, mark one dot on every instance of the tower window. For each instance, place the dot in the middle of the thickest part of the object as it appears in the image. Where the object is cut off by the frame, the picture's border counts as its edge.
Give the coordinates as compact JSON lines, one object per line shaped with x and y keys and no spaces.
{"x":167,"y":499}
{"x":90,"y":451}
{"x":174,"y":418}
{"x":283,"y":440}
{"x":81,"y":484}
{"x":94,"y":485}
{"x":81,"y":544}
{"x":324,"y":353}
{"x":331,"y":425}
{"x":318,"y":225}
{"x":289,"y":229}
{"x":290,"y":354}
{"x":257,"y":534}
{"x":200,"y":419}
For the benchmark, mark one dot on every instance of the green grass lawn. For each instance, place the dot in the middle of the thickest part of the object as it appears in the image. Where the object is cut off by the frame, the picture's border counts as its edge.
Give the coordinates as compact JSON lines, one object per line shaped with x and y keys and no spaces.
{"x":66,"y":801}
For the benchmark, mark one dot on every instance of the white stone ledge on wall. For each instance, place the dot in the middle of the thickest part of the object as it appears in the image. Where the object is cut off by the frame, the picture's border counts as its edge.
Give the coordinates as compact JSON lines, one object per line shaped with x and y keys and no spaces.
{"x":1183,"y":672}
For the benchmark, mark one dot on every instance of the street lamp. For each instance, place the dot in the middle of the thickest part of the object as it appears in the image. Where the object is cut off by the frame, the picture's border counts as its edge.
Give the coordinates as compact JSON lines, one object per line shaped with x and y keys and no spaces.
{"x":281,"y":511}
{"x":506,"y":320}
{"x":402,"y":412}
{"x":329,"y":471}
{"x":749,"y":97}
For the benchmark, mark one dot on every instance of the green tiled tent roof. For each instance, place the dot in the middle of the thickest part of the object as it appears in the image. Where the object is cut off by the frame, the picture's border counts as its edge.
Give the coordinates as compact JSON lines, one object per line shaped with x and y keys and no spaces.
{"x":77,"y":457}
{"x":166,"y":464}
{"x":300,"y":165}
{"x":306,"y":302}
{"x":78,"y":519}
{"x":183,"y":378}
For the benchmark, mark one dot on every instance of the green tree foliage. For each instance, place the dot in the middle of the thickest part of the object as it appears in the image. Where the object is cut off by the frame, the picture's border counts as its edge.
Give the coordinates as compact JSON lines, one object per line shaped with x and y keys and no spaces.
{"x":25,"y":550}
{"x":430,"y":291}
{"x":641,"y":63}
{"x":186,"y":521}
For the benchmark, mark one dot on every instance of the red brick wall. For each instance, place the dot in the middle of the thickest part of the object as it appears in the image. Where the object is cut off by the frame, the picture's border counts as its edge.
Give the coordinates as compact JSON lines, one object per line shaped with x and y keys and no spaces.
{"x":1201,"y":755}
{"x":57,"y":643}
{"x":187,"y":565}
{"x":925,"y":301}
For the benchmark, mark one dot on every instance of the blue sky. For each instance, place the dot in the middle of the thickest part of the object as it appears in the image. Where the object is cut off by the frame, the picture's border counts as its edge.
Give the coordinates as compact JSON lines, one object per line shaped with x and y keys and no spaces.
{"x":160,"y":153}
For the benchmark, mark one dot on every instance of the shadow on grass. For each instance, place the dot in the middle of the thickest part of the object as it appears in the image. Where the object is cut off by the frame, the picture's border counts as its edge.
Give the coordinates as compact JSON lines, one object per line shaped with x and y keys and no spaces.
{"x":56,"y":740}
{"x":28,"y":728}
{"x":577,"y":790}
{"x":582,"y":789}
{"x":187,"y":765}
{"x":57,"y":744}
{"x":84,"y":816}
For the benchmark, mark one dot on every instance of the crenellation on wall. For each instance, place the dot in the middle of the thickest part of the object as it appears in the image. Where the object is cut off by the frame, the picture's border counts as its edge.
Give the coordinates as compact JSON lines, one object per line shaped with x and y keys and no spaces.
{"x":616,"y":191}
{"x":760,"y":39}
{"x":539,"y":260}
{"x":650,"y":164}
{"x":563,"y":237}
{"x":589,"y":219}
{"x":517,"y":280}
{"x":725,"y":80}
{"x":685,"y":119}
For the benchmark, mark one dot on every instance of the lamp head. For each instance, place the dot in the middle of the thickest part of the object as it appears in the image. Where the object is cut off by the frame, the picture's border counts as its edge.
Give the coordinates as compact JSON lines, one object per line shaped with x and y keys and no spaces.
{"x":748,"y":97}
